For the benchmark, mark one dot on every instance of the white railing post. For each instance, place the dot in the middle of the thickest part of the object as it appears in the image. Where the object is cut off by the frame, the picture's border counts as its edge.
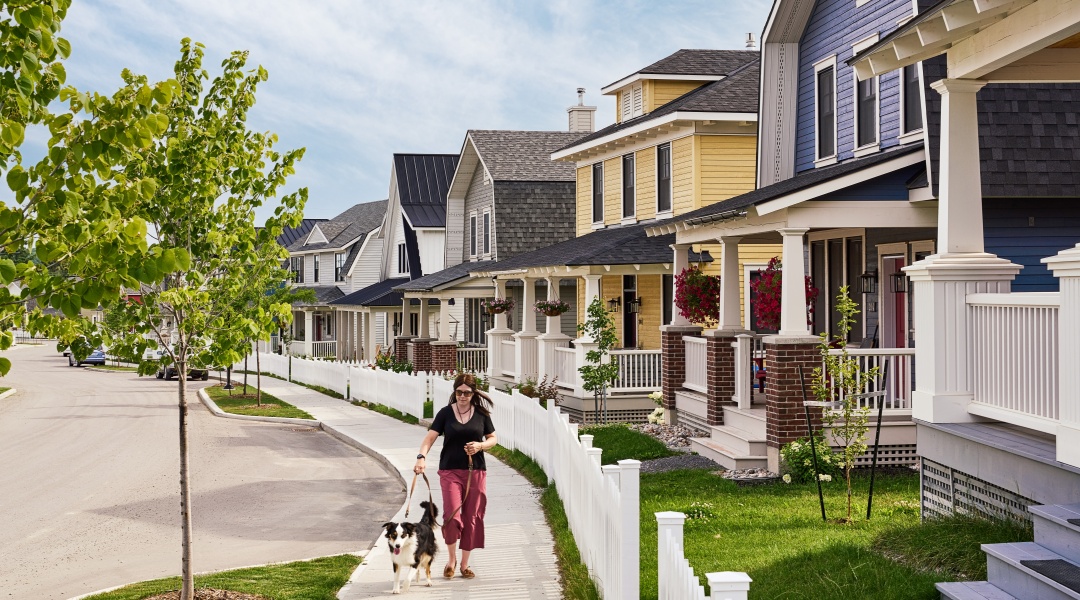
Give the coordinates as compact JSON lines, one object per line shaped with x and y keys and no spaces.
{"x":1066,"y":267}
{"x":630,"y":508}
{"x":729,"y":585}
{"x":743,"y":345}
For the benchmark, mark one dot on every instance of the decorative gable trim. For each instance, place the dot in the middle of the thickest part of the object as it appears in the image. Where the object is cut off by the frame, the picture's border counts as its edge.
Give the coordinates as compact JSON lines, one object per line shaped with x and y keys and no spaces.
{"x":316,"y":236}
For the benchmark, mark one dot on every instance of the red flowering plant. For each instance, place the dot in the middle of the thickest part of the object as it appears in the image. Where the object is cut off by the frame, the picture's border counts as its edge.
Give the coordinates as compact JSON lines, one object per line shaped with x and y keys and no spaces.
{"x":697,"y":296}
{"x":768,"y":292}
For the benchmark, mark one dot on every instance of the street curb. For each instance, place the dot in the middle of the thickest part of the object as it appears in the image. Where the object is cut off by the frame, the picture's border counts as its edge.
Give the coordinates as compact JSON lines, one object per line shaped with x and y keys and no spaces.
{"x":97,"y":370}
{"x":210,"y":404}
{"x":7,"y":393}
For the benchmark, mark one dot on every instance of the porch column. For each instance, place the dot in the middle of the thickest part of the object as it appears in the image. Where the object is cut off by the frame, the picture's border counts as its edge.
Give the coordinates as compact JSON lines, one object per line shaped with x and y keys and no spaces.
{"x":444,"y":320}
{"x":496,"y":335}
{"x":421,"y":344}
{"x":960,"y":220}
{"x":1066,"y":267}
{"x":309,"y":331}
{"x":444,"y":350}
{"x":367,"y":321}
{"x":585,"y":343}
{"x":730,"y":315}
{"x":526,"y":338}
{"x":793,"y":288}
{"x":425,"y":328}
{"x":552,"y":338}
{"x":682,"y":261}
{"x":401,"y":342}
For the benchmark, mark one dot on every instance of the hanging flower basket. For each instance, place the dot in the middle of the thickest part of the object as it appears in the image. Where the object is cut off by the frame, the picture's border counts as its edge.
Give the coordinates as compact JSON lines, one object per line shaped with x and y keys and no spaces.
{"x":497,"y":305}
{"x":551,"y":308}
{"x":697,"y":296}
{"x":767,"y":289}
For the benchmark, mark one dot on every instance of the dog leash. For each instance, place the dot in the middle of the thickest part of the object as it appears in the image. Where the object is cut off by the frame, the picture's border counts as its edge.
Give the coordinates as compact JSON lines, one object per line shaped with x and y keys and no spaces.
{"x":412,"y":488}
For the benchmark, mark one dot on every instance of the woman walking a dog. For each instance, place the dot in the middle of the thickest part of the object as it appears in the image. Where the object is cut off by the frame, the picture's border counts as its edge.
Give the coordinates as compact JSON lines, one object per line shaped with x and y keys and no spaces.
{"x":466,"y":423}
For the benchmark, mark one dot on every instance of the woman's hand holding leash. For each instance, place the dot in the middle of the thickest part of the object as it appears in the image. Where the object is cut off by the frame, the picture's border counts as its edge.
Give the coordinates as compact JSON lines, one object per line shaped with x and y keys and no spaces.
{"x":421,"y":464}
{"x":473,"y":447}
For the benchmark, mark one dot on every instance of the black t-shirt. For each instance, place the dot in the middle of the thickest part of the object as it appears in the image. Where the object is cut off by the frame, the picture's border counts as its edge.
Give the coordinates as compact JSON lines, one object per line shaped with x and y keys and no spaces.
{"x":457,"y":435}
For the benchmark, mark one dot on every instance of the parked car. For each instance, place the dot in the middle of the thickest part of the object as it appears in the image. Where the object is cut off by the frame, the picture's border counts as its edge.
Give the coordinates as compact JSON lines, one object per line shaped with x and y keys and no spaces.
{"x":97,"y":357}
{"x":168,"y":372}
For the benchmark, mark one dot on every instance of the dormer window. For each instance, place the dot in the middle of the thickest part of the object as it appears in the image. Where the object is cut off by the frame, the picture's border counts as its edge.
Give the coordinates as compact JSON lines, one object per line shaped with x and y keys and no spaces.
{"x":632,"y":103}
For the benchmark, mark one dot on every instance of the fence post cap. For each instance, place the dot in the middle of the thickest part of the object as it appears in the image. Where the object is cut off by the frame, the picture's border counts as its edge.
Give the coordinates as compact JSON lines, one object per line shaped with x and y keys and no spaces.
{"x":629,"y":463}
{"x":670,"y":518}
{"x":729,"y":581}
{"x":586,"y":440}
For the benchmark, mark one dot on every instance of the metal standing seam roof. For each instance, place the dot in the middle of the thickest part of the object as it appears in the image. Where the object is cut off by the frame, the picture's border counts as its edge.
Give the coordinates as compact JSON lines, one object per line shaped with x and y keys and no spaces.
{"x":524,"y":155}
{"x":291,"y":234}
{"x":423,"y":181}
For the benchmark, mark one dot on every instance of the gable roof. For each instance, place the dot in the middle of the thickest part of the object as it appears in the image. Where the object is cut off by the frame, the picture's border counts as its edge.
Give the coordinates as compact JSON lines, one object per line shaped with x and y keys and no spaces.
{"x":428,"y":283}
{"x":523,"y":155}
{"x":704,"y":63}
{"x":422,"y":183}
{"x":737,"y":93}
{"x":379,"y":294}
{"x":354,"y":223}
{"x":324,"y":294}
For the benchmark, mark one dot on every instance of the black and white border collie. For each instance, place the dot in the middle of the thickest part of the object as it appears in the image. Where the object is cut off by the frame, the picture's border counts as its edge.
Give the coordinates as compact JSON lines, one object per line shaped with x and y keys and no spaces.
{"x":413,"y":546}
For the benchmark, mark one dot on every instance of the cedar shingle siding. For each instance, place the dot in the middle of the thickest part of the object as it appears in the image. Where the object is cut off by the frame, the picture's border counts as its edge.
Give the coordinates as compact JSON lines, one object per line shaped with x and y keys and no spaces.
{"x":530,"y":215}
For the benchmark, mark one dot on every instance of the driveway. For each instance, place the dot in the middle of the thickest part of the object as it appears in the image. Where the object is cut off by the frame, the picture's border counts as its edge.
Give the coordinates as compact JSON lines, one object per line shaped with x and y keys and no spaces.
{"x":89,"y":492}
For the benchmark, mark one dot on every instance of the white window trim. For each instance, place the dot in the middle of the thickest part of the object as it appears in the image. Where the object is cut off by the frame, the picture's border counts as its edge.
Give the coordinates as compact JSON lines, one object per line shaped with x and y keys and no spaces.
{"x":473,"y":228}
{"x":664,"y":214}
{"x":821,"y":65}
{"x":592,"y":195}
{"x":859,"y":3}
{"x":874,"y":146}
{"x":906,"y":137}
{"x":488,"y":247}
{"x":631,"y":219}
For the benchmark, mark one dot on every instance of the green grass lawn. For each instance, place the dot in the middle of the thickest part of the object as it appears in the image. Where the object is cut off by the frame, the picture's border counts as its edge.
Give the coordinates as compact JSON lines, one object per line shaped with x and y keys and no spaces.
{"x":318,"y":579}
{"x":4,"y":389}
{"x":245,"y":405}
{"x":619,"y":442}
{"x":116,"y":368}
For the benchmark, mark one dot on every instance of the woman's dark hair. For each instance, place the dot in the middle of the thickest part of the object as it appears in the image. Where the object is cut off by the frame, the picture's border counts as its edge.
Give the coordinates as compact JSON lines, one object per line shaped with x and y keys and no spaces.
{"x":479,"y":399}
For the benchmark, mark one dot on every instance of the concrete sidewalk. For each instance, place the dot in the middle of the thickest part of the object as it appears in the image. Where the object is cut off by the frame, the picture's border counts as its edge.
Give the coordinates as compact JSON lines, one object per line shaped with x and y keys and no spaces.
{"x":519,"y":560}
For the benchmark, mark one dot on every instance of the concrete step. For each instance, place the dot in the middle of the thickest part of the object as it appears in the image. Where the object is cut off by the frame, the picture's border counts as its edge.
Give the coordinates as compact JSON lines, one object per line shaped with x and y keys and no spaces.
{"x":727,"y":457}
{"x":973,"y":590}
{"x":1008,"y":567}
{"x":1057,"y":528}
{"x":739,"y":441}
{"x":751,"y":420}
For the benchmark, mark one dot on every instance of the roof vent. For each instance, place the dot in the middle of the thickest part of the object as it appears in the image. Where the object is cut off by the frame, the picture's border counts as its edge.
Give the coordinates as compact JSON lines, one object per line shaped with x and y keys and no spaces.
{"x":750,"y":43}
{"x":581,"y":116}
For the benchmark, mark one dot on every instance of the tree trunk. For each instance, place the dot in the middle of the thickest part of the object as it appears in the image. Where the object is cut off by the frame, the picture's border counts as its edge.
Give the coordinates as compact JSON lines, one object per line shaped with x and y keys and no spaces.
{"x":847,"y":476}
{"x":246,"y":370}
{"x":258,"y":379}
{"x":187,"y":591}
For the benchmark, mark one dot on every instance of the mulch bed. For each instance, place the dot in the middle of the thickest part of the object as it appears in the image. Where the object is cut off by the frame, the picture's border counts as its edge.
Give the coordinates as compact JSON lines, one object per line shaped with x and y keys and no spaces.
{"x":210,"y":594}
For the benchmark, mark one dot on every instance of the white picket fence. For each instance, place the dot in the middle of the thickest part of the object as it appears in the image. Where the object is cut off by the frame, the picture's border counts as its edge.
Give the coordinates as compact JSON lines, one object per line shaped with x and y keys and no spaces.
{"x":602,"y":504}
{"x":676,"y":579}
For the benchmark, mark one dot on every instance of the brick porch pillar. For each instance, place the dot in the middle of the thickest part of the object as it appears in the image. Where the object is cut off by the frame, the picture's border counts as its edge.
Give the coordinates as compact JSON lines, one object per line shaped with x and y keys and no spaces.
{"x":720,"y":382}
{"x":421,"y":355}
{"x":443,"y":356}
{"x":401,"y":347}
{"x":673,"y":361}
{"x":784,"y":417}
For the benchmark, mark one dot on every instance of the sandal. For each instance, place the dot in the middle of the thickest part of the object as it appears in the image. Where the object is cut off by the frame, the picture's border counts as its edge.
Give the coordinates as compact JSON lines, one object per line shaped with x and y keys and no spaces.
{"x":448,"y":572}
{"x":467,"y":573}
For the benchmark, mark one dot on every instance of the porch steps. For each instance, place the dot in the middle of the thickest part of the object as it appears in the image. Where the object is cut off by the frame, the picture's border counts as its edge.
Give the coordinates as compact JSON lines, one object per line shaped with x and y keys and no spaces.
{"x":1046,"y":569}
{"x":739,"y":443}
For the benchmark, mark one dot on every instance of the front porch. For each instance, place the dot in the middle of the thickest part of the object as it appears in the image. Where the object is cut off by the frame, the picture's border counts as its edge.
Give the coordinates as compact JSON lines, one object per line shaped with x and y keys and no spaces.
{"x":313,"y":332}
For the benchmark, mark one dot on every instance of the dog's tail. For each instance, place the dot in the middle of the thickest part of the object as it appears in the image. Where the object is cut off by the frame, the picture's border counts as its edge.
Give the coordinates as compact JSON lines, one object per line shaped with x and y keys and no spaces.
{"x":431,"y":512}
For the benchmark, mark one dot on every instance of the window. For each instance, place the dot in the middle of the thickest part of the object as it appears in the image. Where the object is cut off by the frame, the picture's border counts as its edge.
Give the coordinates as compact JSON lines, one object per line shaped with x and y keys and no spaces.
{"x":472,"y":235}
{"x":315,"y":274}
{"x":402,"y":260}
{"x":663,"y":178}
{"x":598,"y":193}
{"x":339,"y":266}
{"x":628,"y":200}
{"x":825,"y":99}
{"x":910,"y":84}
{"x":296,"y":265}
{"x":487,"y":232}
{"x":866,"y":112}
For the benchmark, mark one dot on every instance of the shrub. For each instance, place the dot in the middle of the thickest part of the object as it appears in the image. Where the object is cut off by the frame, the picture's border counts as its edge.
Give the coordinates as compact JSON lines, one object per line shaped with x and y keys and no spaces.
{"x":798,"y":460}
{"x":542,"y":391}
{"x":388,"y":362}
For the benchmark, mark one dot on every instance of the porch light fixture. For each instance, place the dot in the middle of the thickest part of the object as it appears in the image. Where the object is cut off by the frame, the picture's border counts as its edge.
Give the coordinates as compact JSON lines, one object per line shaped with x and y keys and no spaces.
{"x":899,"y":282}
{"x":614,"y":304}
{"x":634,"y":305}
{"x":868,"y":282}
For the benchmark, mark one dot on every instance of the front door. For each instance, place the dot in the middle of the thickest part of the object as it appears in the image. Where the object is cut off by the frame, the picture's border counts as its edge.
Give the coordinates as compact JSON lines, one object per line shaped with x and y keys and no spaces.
{"x":318,"y":328}
{"x":893,"y":304}
{"x":630,"y":316}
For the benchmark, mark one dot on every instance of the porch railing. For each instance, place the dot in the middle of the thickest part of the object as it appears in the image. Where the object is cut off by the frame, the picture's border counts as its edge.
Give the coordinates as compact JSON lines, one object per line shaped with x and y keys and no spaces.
{"x":325,"y":349}
{"x":508,"y":357}
{"x":472,"y":360}
{"x":1014,"y":358}
{"x":639,"y":370}
{"x":696,"y":364}
{"x":900,"y":374}
{"x":566,"y":367}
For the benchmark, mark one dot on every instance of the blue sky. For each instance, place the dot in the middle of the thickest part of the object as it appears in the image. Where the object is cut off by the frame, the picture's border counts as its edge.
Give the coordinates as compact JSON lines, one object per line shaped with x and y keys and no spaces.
{"x":355,"y":81}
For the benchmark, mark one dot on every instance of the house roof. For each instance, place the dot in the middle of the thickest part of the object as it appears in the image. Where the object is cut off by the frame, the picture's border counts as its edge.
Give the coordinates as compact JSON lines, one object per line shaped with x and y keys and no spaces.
{"x":803,"y":180}
{"x":619,"y":245}
{"x":523,"y":155}
{"x":696,"y":62}
{"x":737,"y":93}
{"x":324,"y":294}
{"x":376,"y":294}
{"x":422,"y":182}
{"x":291,"y":234}
{"x":354,"y":223}
{"x":428,"y":283}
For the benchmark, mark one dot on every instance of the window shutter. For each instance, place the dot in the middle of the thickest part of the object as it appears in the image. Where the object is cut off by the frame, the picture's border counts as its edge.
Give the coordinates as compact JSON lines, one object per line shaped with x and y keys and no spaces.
{"x":627,"y":104}
{"x":637,"y":100}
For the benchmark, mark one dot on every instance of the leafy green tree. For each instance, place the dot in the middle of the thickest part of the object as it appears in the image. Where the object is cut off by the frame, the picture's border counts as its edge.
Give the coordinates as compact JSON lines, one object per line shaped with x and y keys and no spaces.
{"x":209,"y":174}
{"x":600,"y":370}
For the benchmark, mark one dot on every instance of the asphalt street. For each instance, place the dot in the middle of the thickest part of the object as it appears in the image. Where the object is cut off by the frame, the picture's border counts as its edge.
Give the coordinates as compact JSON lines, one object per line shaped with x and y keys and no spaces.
{"x":89,"y":488}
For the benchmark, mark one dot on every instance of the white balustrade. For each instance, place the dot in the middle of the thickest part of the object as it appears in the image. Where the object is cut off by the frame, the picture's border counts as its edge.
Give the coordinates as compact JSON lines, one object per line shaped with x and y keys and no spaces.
{"x":508,"y":357}
{"x":639,"y":370}
{"x":696,"y":363}
{"x":901,"y":370}
{"x":744,"y":375}
{"x":566,"y":368}
{"x":1014,"y":353}
{"x":472,"y":360}
{"x":324,"y":349}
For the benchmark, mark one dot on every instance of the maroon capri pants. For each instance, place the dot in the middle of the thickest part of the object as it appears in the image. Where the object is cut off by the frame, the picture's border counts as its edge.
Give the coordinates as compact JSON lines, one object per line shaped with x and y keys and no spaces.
{"x":468,"y":524}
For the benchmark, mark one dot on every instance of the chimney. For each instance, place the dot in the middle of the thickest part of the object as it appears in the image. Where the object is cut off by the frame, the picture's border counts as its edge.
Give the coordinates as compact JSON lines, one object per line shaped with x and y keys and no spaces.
{"x":750,"y":43}
{"x":581,"y":116}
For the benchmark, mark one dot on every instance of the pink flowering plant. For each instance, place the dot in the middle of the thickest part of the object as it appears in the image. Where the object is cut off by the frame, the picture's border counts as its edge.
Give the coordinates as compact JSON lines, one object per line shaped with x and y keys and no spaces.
{"x":697,"y":296}
{"x":497,"y":305}
{"x":768,"y":290}
{"x":551,"y":308}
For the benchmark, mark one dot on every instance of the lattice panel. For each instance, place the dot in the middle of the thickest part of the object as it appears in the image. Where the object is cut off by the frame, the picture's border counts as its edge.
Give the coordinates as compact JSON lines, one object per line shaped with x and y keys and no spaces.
{"x":613,"y":416}
{"x":946,"y":491}
{"x":899,"y":455}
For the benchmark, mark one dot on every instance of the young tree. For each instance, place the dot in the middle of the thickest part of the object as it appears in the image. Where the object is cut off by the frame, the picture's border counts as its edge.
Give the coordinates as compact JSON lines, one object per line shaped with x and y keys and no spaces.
{"x":210,"y":173}
{"x":600,"y":370}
